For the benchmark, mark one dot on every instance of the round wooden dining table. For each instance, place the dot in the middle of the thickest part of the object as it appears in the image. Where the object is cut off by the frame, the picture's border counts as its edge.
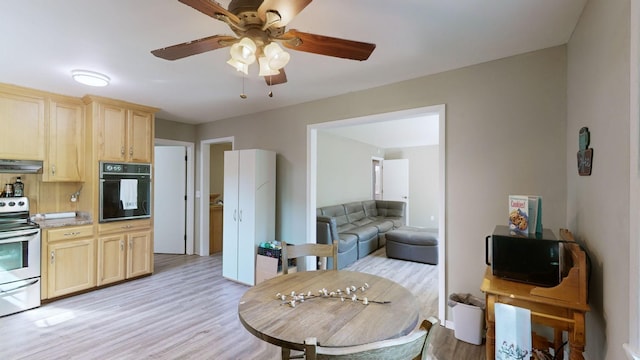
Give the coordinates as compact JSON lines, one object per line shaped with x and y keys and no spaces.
{"x":392,"y":310}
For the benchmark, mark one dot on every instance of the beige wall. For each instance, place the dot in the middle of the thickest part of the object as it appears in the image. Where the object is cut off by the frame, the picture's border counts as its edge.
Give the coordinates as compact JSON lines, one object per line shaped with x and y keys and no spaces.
{"x":506,"y":133}
{"x":345,"y":169}
{"x":171,"y":130}
{"x":598,"y":205}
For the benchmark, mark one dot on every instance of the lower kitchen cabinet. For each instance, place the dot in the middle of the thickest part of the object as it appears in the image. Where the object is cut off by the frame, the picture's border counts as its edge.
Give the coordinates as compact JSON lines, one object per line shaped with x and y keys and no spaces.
{"x":70,"y":260}
{"x":111,"y":259}
{"x":125,"y":250}
{"x":75,"y":259}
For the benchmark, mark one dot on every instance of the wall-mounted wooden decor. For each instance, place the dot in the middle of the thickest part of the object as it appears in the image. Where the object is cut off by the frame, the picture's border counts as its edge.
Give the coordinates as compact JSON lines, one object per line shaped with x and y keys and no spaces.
{"x":585,"y":154}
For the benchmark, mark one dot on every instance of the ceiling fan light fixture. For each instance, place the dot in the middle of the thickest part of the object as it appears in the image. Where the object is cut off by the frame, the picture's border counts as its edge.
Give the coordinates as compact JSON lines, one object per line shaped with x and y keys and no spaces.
{"x":239,"y":66}
{"x":90,"y":78}
{"x":244,"y":51}
{"x":271,"y":17}
{"x":276,"y":57}
{"x":265,"y":69}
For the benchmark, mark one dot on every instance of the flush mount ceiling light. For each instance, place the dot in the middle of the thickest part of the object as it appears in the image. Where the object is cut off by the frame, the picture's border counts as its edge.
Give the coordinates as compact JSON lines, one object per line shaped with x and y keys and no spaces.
{"x":90,"y":78}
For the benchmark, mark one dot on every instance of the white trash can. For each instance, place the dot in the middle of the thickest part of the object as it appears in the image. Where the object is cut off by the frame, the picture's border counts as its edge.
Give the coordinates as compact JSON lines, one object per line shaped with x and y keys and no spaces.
{"x":468,"y":317}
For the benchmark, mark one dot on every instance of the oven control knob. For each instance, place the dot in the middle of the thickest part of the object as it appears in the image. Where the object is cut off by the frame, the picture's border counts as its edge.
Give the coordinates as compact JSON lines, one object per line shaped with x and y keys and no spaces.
{"x":20,"y":203}
{"x":2,"y":204}
{"x":12,"y":203}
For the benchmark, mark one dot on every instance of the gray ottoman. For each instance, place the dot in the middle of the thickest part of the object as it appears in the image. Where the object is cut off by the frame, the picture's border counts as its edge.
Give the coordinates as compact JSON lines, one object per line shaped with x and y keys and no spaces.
{"x":413,"y":244}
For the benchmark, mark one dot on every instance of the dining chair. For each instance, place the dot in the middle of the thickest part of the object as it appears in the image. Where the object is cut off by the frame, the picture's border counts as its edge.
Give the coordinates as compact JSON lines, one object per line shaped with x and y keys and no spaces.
{"x":411,"y":346}
{"x":320,"y":250}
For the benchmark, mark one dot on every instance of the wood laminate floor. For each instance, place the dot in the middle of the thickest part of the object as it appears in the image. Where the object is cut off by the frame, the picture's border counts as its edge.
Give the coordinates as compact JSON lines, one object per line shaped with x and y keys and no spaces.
{"x":185,"y":310}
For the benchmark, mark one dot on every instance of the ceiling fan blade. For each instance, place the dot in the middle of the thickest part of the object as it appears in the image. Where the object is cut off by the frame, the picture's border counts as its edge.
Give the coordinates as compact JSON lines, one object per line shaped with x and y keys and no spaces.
{"x":276,"y":79}
{"x":194,"y":47}
{"x":325,"y":45}
{"x":211,"y":8}
{"x":287,"y":9}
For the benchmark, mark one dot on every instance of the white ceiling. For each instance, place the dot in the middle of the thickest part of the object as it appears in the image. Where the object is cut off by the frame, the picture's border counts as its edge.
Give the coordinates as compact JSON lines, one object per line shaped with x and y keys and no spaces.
{"x":43,"y":40}
{"x":396,"y":133}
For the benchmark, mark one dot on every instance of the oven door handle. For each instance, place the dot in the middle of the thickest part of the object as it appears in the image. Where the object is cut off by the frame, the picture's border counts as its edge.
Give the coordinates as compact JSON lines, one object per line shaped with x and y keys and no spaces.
{"x":33,"y":282}
{"x":17,"y":236}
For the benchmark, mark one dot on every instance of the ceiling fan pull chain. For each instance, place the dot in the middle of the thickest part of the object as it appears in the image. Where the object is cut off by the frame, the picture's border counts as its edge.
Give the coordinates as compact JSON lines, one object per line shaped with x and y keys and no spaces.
{"x":243,"y":95}
{"x":270,"y":94}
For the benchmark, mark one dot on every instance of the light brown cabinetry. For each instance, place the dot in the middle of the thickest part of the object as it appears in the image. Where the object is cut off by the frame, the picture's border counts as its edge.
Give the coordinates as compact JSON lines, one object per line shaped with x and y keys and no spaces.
{"x":65,"y":141}
{"x":70,"y":260}
{"x":125,"y":250}
{"x":125,"y":133}
{"x":111,"y":258}
{"x":215,"y":229}
{"x":21,"y":112}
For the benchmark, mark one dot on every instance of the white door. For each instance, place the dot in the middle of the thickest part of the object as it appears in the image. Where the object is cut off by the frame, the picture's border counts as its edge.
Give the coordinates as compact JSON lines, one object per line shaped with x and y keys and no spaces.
{"x":230,"y":215}
{"x":169,"y":200}
{"x":395,"y":182}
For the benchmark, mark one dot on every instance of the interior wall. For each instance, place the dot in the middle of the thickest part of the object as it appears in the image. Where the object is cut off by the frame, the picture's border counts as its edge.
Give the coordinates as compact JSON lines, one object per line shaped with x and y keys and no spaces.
{"x":344,"y":170}
{"x":598,"y":205}
{"x":506,"y":125}
{"x":423,"y":183}
{"x":172,"y":130}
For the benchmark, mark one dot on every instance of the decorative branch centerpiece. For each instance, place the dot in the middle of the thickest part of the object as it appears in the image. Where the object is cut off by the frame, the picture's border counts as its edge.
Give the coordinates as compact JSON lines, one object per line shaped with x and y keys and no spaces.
{"x":349,"y":293}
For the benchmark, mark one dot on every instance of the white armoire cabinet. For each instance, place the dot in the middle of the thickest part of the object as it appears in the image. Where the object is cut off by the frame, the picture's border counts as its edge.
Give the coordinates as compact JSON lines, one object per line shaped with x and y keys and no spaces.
{"x":249,"y":210}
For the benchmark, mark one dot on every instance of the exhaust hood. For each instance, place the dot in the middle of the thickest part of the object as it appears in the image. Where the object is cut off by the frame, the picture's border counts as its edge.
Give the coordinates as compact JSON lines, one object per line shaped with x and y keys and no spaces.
{"x":21,"y":166}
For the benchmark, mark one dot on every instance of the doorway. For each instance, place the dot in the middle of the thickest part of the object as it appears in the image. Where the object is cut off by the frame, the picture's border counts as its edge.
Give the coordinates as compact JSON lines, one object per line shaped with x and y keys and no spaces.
{"x":312,"y":163}
{"x":204,"y":245}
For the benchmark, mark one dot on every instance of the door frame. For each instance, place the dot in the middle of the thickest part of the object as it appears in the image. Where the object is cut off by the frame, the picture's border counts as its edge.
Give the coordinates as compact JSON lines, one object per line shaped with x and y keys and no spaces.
{"x":312,"y":162}
{"x":190,"y":211}
{"x":205,"y":174}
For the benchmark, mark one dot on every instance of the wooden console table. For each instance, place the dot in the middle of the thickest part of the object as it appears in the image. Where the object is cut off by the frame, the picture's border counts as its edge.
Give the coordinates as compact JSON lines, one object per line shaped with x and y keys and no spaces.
{"x":562,"y":307}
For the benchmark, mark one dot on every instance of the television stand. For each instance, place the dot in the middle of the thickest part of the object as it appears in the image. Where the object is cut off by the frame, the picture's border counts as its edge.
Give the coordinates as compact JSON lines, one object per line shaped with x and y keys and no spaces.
{"x":561,"y":307}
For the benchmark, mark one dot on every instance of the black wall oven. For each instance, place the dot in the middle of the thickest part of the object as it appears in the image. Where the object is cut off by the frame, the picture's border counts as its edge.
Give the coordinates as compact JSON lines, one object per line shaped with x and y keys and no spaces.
{"x":125,"y":191}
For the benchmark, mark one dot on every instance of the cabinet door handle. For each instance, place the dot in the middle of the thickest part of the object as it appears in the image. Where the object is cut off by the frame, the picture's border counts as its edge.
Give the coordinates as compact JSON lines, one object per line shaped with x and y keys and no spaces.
{"x":130,"y":244}
{"x":74,"y":233}
{"x":234,"y":215}
{"x":122,"y":150}
{"x":53,"y":169}
{"x":53,"y":257}
{"x":121,"y":245}
{"x":131,"y":151}
{"x":240,"y":217}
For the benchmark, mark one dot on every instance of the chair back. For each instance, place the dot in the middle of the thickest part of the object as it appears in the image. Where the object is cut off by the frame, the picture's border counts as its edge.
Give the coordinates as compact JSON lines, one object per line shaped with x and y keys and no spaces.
{"x":411,"y":346}
{"x":322,"y":251}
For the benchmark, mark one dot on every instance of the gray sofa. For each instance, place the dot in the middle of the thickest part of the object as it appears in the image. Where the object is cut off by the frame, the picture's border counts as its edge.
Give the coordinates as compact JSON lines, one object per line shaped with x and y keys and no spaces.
{"x":359,"y":227}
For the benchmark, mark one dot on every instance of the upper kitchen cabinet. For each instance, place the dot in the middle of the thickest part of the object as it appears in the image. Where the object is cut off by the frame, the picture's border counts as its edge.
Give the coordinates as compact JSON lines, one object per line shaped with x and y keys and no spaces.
{"x":65,"y":141}
{"x":22,"y":112}
{"x":124,"y":130}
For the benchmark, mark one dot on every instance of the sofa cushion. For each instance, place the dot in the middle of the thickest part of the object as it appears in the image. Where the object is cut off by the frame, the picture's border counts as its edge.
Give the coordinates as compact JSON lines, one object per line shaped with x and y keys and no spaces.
{"x":345,"y":227}
{"x":364,"y":233}
{"x":347,"y":242}
{"x":337,"y":212}
{"x":370,"y":208}
{"x":390,"y":208}
{"x":355,"y":212}
{"x":382,"y":224}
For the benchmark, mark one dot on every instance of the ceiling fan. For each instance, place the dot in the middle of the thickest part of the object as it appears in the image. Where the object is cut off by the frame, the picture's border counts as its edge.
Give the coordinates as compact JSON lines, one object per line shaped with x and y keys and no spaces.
{"x":259,"y":26}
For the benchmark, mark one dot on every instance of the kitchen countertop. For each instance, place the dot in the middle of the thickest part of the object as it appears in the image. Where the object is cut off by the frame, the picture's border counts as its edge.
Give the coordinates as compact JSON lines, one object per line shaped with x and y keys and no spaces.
{"x":81,"y":218}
